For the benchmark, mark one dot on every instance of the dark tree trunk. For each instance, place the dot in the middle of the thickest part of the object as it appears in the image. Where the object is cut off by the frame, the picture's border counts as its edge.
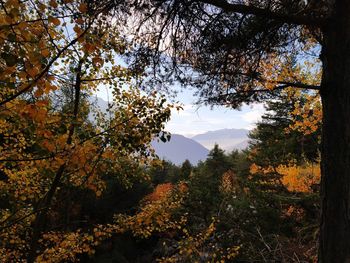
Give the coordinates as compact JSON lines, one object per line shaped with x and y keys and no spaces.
{"x":335,"y":93}
{"x":45,"y":204}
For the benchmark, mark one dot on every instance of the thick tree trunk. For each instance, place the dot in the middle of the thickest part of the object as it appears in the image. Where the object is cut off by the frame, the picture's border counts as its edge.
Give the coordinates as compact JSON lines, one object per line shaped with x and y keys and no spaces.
{"x":335,"y":93}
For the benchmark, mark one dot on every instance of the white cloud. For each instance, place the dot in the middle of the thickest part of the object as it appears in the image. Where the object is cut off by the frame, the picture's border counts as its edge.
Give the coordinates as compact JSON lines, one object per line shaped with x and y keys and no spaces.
{"x":253,"y":115}
{"x":193,"y":120}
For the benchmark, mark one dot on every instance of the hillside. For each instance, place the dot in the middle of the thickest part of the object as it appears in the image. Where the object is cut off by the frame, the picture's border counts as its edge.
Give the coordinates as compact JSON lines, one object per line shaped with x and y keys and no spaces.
{"x":227,"y":139}
{"x":180,"y":148}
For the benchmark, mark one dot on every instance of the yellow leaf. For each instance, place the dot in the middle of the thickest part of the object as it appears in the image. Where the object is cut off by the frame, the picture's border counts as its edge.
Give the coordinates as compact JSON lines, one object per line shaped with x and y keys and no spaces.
{"x":22,"y":74}
{"x":42,"y":7}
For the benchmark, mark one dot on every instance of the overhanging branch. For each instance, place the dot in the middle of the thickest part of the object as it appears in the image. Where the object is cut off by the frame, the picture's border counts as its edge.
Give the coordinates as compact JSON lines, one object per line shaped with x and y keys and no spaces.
{"x":296,"y":19}
{"x":300,"y":85}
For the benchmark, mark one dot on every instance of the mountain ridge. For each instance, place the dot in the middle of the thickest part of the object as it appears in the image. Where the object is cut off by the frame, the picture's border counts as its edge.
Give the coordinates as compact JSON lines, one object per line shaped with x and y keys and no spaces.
{"x":180,"y":148}
{"x":227,"y":139}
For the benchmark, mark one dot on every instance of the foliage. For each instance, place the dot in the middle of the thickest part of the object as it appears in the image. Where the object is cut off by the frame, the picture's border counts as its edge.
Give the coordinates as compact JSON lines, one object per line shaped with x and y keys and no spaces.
{"x":231,"y":52}
{"x":227,"y":217}
{"x":300,"y":179}
{"x":54,"y":55}
{"x":277,"y":138}
{"x":156,"y":216}
{"x":237,"y":52}
{"x":61,"y":174}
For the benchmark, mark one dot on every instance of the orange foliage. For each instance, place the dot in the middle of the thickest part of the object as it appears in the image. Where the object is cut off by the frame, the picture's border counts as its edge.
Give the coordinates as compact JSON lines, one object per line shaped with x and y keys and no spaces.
{"x":300,"y":178}
{"x":47,"y":144}
{"x":157,"y":214}
{"x":160,"y":192}
{"x":295,"y":178}
{"x":307,"y":116}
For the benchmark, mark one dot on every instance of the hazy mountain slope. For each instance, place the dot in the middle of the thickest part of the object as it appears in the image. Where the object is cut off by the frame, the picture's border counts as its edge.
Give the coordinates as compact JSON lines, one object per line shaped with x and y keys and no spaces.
{"x":180,"y":148}
{"x":227,"y":139}
{"x":239,"y":146}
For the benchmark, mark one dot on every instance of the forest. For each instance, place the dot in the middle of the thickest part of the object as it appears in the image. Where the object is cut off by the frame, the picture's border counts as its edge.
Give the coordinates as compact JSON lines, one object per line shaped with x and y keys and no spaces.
{"x":81,"y":184}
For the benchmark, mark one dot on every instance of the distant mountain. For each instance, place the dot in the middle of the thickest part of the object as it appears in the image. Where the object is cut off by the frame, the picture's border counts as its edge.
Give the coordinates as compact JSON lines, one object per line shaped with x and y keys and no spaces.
{"x":180,"y":148}
{"x":239,"y":146}
{"x":227,"y":139}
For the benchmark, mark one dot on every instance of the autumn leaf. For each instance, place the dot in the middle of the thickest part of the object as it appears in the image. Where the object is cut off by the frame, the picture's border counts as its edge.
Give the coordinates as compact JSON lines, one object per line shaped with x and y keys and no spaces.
{"x":77,"y":30}
{"x":32,"y":72}
{"x":54,"y":20}
{"x":83,"y":7}
{"x":45,"y":52}
{"x":53,"y":4}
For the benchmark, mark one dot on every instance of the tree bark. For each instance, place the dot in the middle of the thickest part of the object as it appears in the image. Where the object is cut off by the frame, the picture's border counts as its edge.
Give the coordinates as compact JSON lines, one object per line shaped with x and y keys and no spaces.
{"x":335,"y":184}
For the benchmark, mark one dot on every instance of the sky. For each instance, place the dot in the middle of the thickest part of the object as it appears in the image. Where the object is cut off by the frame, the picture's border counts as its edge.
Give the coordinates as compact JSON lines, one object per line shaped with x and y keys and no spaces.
{"x":193,"y":120}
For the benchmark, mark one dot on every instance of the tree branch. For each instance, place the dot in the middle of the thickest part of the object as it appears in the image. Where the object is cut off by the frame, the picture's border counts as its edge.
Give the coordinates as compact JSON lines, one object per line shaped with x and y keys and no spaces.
{"x":252,"y":10}
{"x":285,"y":84}
{"x":29,"y":159}
{"x":44,"y":71}
{"x":247,"y":94}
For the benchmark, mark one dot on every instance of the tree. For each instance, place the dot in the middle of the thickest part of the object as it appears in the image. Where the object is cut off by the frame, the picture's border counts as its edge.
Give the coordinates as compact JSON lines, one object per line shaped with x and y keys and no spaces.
{"x":204,"y":185}
{"x":185,"y":170}
{"x":276,"y":140}
{"x":242,"y":51}
{"x":164,"y":173}
{"x":285,"y":169}
{"x":49,"y":150}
